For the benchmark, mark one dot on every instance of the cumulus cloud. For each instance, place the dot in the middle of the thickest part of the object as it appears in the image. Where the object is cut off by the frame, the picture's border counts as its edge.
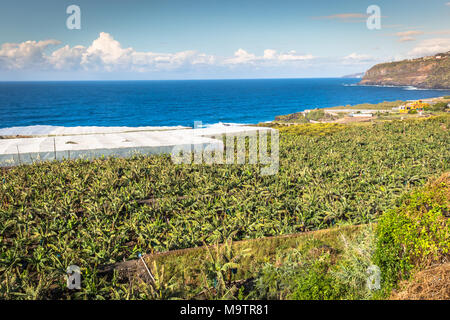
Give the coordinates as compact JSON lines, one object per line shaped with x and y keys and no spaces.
{"x":28,"y":54}
{"x":431,"y":47}
{"x":67,"y":58}
{"x":104,"y":54}
{"x":107,"y":54}
{"x":242,"y":56}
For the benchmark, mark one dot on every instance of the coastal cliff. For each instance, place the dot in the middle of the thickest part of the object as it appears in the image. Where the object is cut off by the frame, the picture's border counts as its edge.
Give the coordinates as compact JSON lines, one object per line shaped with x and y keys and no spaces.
{"x":432,"y":72}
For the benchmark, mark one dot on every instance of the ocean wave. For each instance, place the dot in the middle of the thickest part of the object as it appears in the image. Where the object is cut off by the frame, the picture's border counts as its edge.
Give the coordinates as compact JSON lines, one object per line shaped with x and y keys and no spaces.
{"x":422,"y":89}
{"x":412,"y":88}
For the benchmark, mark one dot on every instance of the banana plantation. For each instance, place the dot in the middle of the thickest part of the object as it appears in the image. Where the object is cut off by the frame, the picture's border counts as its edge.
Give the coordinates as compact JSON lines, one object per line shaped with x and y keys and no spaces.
{"x":96,"y":213}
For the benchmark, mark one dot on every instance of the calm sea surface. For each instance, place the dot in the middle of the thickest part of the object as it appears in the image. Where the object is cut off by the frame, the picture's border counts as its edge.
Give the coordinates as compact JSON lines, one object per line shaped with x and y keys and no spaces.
{"x":155,"y":103}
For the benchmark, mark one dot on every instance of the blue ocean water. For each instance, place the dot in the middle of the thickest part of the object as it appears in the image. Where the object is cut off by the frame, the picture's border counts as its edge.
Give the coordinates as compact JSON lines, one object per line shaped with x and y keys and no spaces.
{"x":155,"y":103}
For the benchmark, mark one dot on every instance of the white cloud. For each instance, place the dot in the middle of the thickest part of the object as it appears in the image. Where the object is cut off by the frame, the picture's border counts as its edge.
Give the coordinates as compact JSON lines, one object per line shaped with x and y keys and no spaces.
{"x":107,"y":54}
{"x":242,"y":56}
{"x":270,"y":56}
{"x":67,"y":58}
{"x":28,"y":54}
{"x":104,"y":54}
{"x":355,"y":57}
{"x":431,"y":47}
{"x":293,"y":56}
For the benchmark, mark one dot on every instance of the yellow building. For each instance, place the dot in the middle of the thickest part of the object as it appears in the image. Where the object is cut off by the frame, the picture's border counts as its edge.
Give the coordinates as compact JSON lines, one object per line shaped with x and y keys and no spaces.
{"x":416,"y":105}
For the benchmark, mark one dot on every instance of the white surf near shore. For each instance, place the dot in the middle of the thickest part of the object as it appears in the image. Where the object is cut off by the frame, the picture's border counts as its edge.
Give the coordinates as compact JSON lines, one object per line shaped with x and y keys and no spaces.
{"x":407,"y":88}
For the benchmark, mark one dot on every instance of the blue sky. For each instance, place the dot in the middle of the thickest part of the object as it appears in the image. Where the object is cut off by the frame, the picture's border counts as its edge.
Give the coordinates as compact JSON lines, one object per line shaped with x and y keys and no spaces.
{"x":202,"y":39}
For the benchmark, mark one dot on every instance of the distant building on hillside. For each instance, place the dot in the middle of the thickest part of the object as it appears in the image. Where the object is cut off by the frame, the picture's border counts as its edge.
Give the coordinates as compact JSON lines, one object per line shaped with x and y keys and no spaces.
{"x":418,"y":106}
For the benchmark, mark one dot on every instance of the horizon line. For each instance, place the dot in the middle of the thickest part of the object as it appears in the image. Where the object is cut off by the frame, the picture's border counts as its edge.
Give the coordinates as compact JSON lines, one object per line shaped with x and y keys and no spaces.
{"x":206,"y":79}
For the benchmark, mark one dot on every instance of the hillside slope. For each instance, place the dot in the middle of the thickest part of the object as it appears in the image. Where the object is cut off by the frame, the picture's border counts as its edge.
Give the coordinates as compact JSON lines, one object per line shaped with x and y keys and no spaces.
{"x":428,"y":72}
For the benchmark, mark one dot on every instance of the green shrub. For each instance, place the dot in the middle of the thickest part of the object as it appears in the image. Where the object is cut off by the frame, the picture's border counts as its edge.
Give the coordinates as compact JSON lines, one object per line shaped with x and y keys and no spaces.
{"x":316,"y":283}
{"x":440,"y":106}
{"x":319,"y":272}
{"x":299,"y":277}
{"x":416,"y":234}
{"x":316,"y":114}
{"x":297,"y":117}
{"x":275,"y":280}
